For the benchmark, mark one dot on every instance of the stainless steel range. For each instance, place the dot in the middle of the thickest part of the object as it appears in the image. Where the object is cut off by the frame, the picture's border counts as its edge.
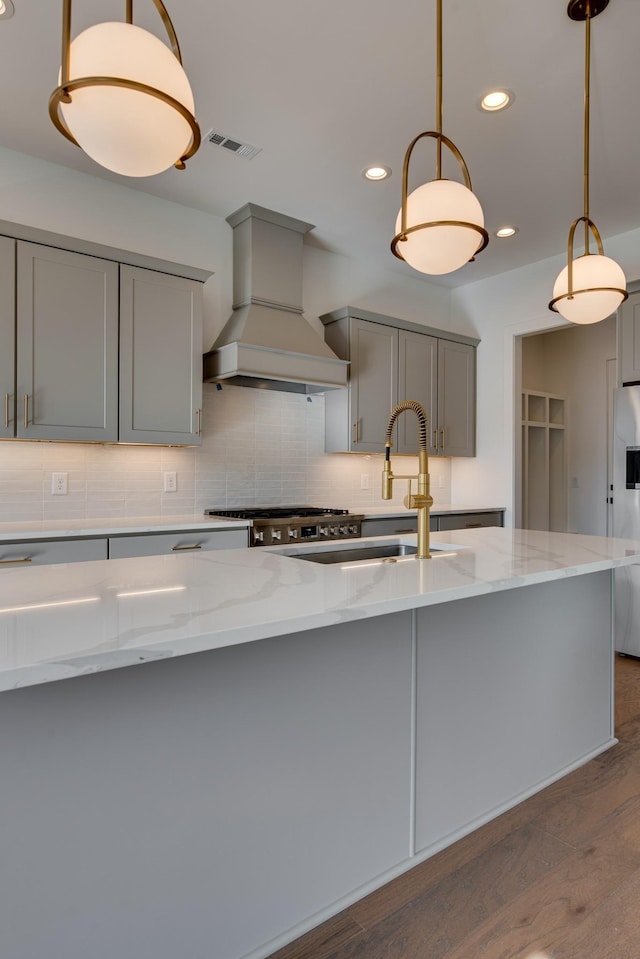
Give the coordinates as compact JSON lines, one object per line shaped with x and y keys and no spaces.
{"x":275,"y":525}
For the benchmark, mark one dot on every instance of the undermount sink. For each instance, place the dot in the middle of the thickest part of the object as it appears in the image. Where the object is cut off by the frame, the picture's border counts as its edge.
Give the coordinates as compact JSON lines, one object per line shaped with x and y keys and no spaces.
{"x":387,"y":552}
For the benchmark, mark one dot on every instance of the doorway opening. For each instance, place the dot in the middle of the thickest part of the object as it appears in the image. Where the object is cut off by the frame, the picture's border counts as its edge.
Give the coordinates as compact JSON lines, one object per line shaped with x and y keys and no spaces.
{"x":565,"y":380}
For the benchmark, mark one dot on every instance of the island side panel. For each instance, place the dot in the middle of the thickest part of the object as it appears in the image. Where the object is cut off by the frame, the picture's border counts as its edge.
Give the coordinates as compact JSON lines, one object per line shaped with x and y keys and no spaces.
{"x":206,"y":804}
{"x":513,"y":688}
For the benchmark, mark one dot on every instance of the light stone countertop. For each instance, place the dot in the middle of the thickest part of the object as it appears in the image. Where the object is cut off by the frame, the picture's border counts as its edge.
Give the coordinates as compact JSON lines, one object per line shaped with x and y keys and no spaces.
{"x":118,"y":526}
{"x":62,"y":620}
{"x":440,"y":509}
{"x":76,"y":528}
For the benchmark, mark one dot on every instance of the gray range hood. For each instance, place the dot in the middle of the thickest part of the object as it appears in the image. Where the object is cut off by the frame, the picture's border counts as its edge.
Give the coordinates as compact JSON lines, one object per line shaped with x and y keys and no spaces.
{"x":266,"y":342}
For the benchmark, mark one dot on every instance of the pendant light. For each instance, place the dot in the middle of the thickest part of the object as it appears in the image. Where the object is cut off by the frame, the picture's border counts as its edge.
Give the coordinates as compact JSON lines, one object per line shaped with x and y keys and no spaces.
{"x":440,"y":225}
{"x":592,"y":286}
{"x":123,"y":96}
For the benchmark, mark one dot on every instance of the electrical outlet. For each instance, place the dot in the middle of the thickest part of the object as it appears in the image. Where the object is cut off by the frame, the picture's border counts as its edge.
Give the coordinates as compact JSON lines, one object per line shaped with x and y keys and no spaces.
{"x":58,"y":484}
{"x":170,"y":482}
{"x":364,"y":481}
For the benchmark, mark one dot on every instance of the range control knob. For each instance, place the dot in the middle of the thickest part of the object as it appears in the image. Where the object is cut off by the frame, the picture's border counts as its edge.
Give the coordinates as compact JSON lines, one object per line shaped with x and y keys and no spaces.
{"x":258,"y":537}
{"x":333,"y":530}
{"x":344,"y":531}
{"x":276,"y":535}
{"x":353,"y":530}
{"x":292,"y":533}
{"x":324,"y":530}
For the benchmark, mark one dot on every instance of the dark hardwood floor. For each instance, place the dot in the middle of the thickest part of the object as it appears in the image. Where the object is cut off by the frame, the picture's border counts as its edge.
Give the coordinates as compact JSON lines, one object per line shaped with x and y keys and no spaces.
{"x":558,"y":877}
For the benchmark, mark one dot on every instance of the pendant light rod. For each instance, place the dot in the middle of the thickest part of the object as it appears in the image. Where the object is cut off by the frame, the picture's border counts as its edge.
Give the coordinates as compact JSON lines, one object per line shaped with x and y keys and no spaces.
{"x":587,"y":92}
{"x":439,"y":89}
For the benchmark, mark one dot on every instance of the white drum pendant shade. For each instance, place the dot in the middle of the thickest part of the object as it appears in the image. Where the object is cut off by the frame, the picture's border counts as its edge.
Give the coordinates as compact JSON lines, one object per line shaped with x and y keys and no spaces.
{"x":598,"y":289}
{"x":441,"y":249}
{"x":122,"y":129}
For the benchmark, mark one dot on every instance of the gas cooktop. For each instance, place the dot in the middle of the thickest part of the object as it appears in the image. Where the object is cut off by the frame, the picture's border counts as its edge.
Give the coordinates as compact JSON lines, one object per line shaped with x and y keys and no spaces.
{"x":277,"y":525}
{"x":275,"y":512}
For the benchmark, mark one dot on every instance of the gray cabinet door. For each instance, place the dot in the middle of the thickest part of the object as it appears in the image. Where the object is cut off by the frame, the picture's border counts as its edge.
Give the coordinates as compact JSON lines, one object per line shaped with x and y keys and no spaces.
{"x":456,"y":399}
{"x":42,"y":552}
{"x":373,"y":383}
{"x":417,"y":378}
{"x":629,"y":340}
{"x":67,"y":345}
{"x":160,"y":358}
{"x":8,"y":334}
{"x":189,"y":541}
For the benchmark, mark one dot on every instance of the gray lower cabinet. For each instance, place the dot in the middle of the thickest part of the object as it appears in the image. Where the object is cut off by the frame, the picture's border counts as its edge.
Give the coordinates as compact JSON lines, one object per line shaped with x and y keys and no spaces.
{"x":41,"y":552}
{"x":187,"y":541}
{"x":390,"y":362}
{"x":390,"y":525}
{"x":160,"y":358}
{"x":66,"y":346}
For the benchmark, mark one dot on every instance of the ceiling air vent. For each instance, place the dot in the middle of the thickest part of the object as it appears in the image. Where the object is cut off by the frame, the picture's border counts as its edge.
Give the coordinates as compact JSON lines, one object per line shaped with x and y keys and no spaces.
{"x":244,"y":150}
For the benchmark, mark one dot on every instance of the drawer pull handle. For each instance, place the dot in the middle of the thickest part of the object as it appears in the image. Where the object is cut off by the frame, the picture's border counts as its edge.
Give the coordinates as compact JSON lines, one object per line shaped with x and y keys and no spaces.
{"x":408,"y":529}
{"x":472,"y":525}
{"x":25,"y":559}
{"x":26,"y":411}
{"x":177,"y":549}
{"x":356,"y":432}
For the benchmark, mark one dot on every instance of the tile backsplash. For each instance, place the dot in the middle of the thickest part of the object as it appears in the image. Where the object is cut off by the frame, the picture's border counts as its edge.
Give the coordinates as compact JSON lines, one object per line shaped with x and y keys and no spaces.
{"x":259,"y":448}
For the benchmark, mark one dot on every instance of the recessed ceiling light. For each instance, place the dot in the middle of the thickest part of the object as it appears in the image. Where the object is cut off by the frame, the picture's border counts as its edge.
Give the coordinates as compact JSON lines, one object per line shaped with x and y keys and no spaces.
{"x":496,"y":100}
{"x":6,"y":9}
{"x":376,"y":172}
{"x":506,"y":231}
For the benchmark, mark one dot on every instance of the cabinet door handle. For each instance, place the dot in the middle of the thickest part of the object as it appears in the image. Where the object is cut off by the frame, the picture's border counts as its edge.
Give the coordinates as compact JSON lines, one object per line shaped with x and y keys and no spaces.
{"x":6,"y":411}
{"x":26,"y":411}
{"x":198,"y":422}
{"x":435,"y":440}
{"x":442,"y":444}
{"x":178,"y":549}
{"x":356,"y":432}
{"x":24,"y":559}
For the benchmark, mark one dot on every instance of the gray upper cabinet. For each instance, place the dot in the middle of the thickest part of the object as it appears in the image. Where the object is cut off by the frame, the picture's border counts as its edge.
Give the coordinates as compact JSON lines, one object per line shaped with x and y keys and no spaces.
{"x":8,"y":334}
{"x":94,"y":350}
{"x":456,"y":421}
{"x":629,"y":340}
{"x":391,"y":361}
{"x":160,"y":358}
{"x":66,"y":346}
{"x":417,"y":380}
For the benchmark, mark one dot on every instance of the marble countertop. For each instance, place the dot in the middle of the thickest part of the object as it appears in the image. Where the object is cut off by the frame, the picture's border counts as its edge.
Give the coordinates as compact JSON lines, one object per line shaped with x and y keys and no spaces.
{"x":440,"y":509}
{"x":118,"y":526}
{"x":75,"y":528}
{"x":62,"y":621}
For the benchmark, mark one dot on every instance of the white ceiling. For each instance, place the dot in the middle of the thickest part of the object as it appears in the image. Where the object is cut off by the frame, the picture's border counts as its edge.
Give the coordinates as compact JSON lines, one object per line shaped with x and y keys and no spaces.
{"x":328,"y":88}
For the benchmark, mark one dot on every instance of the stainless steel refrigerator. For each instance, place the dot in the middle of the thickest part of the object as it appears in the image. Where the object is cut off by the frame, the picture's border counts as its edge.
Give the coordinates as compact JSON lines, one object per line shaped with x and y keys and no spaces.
{"x":626,"y":513}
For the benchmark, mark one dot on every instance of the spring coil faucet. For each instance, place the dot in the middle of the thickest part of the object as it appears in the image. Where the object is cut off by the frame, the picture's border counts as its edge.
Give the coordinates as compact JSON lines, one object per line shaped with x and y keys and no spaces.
{"x":422,"y":500}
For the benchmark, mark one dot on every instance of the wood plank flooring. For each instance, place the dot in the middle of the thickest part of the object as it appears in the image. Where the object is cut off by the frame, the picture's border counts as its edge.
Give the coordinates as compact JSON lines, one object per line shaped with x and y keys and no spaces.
{"x":558,"y":877}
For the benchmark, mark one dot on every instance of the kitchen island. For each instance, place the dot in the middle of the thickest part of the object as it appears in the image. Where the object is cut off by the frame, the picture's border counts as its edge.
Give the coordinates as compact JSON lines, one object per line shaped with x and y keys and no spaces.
{"x":297,"y":734}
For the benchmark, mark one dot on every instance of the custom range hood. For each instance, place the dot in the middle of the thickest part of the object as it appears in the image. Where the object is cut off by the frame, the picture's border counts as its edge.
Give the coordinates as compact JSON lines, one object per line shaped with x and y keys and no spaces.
{"x":266,"y":342}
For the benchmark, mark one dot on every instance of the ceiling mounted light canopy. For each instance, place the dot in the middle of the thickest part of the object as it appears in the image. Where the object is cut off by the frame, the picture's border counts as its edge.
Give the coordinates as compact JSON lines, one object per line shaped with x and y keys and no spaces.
{"x":440,"y":225}
{"x":123,"y":96}
{"x":592,"y":286}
